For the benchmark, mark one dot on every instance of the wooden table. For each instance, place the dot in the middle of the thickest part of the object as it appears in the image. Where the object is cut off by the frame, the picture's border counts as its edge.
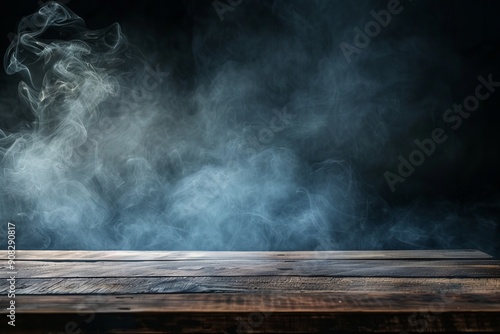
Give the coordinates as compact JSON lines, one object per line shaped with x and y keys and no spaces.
{"x":253,"y":292}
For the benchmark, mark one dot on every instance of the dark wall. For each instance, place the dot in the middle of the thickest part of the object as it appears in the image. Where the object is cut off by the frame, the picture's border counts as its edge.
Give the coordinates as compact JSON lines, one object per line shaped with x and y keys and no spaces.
{"x":460,"y":181}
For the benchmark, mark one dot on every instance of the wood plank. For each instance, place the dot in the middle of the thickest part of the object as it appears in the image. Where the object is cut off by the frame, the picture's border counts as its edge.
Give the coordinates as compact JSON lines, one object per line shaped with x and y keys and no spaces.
{"x":256,"y":322}
{"x":292,"y":292}
{"x":338,"y":302}
{"x":338,"y":268}
{"x":259,"y":284}
{"x":63,"y":255}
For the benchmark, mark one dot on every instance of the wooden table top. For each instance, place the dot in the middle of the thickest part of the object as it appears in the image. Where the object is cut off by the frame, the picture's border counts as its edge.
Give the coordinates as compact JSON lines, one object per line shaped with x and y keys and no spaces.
{"x":257,"y":292}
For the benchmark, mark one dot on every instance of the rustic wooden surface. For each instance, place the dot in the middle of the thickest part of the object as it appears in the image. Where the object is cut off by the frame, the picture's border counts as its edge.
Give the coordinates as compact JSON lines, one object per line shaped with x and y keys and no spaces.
{"x":253,"y":292}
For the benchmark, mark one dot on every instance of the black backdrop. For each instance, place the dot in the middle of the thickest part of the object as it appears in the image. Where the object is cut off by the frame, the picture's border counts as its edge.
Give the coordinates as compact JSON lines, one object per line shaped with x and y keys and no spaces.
{"x":464,"y":173}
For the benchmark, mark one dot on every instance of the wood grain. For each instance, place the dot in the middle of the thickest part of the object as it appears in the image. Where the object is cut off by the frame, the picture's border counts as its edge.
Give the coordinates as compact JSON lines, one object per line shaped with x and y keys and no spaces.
{"x":339,"y":268}
{"x":268,"y":284}
{"x":62,"y":255}
{"x":256,"y":322}
{"x":338,"y":302}
{"x":258,"y":292}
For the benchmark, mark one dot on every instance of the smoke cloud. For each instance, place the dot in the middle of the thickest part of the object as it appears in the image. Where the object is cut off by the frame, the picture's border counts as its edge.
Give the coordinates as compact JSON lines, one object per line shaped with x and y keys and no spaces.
{"x":272,"y":142}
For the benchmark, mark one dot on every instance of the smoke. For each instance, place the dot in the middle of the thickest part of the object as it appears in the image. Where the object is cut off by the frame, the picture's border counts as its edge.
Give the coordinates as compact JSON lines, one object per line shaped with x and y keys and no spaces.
{"x":271,"y":146}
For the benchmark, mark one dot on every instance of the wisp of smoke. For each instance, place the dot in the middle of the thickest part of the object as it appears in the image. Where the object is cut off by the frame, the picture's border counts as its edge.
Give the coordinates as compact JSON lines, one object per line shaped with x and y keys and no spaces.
{"x":256,"y":157}
{"x":96,"y":172}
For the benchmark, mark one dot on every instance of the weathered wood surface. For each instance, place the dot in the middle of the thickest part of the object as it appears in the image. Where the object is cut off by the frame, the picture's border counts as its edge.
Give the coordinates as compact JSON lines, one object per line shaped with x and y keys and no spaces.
{"x":268,"y":284}
{"x":57,"y":255}
{"x":335,"y":268}
{"x":257,"y":292}
{"x":223,"y":323}
{"x":339,"y":302}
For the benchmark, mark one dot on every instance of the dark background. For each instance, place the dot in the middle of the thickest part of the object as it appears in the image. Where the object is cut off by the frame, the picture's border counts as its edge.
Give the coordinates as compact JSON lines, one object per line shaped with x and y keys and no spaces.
{"x":464,"y":174}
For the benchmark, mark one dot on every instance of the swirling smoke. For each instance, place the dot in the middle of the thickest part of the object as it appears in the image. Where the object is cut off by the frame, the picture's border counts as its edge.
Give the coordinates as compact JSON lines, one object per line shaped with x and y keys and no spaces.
{"x":269,"y":149}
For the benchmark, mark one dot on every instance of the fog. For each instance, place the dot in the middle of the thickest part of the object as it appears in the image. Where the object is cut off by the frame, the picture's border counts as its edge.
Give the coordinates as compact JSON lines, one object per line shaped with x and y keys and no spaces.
{"x":278,"y":141}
